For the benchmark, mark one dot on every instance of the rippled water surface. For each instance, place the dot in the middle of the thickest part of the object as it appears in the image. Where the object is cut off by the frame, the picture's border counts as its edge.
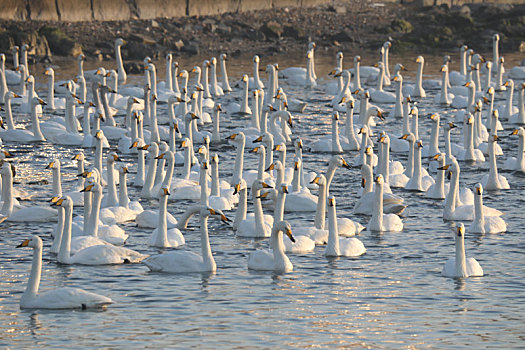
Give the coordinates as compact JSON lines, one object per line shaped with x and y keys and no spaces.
{"x":392,"y":297}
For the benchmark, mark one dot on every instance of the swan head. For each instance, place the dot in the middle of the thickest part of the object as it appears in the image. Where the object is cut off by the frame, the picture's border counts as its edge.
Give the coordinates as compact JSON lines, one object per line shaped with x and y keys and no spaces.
{"x":237,"y":137}
{"x":460,"y":231}
{"x":363,"y":130}
{"x":113,"y":157}
{"x":196,"y":69}
{"x":470,"y":52}
{"x":357,"y":59}
{"x":435,"y":117}
{"x":99,"y":134}
{"x":10,"y":94}
{"x":331,"y":201}
{"x":214,"y":212}
{"x":383,"y":138}
{"x":339,"y":55}
{"x":338,"y":160}
{"x":446,"y":60}
{"x":519,"y":131}
{"x":223,"y":57}
{"x":49,"y":71}
{"x":65,"y":202}
{"x":21,"y":68}
{"x":286,"y":229}
{"x":495,"y":37}
{"x":183,"y":74}
{"x":418,"y":144}
{"x":213,"y":61}
{"x":123,"y":169}
{"x":280,"y":148}
{"x":38,"y":101}
{"x":369,"y":150}
{"x":335,"y":116}
{"x":420,"y":60}
{"x":478,"y":189}
{"x":319,"y":180}
{"x":494,"y":138}
{"x":258,"y":150}
{"x":312,"y":45}
{"x":256,"y":59}
{"x":164,"y":191}
{"x":186,"y":143}
{"x":297,"y":163}
{"x":469,"y":119}
{"x":299,"y":144}
{"x":120,"y":42}
{"x":379,"y":179}
{"x":277,"y":165}
{"x":240,"y":186}
{"x":54,"y":164}
{"x":501,"y":60}
{"x":398,"y":78}
{"x":510,"y":83}
{"x":33,"y":242}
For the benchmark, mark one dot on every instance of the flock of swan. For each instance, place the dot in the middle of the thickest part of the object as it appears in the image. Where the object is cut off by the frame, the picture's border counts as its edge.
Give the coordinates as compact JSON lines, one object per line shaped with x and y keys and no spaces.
{"x":96,"y":111}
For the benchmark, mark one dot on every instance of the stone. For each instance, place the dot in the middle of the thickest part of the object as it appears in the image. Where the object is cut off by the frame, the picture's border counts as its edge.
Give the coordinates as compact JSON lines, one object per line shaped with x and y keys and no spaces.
{"x":59,"y":43}
{"x":293,"y":32}
{"x":179,"y":44}
{"x":272,"y":30}
{"x":342,"y":36}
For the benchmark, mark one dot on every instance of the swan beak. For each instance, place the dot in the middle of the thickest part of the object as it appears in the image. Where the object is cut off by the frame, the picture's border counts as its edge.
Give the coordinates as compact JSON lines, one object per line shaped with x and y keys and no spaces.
{"x":380,"y":115}
{"x":259,"y":139}
{"x":467,"y":84}
{"x":194,"y":116}
{"x":76,"y":156}
{"x":345,"y":164}
{"x":17,"y":96}
{"x":87,"y":188}
{"x":271,"y":167}
{"x":404,"y":68}
{"x":265,"y":185}
{"x":290,"y":122}
{"x":255,"y":150}
{"x":236,"y":188}
{"x":497,"y":138}
{"x":144,"y":148}
{"x":224,"y":218}
{"x":176,"y":128}
{"x":166,"y":191}
{"x":315,"y":180}
{"x":231,"y":137}
{"x":85,"y":174}
{"x":506,"y":83}
{"x":277,"y":147}
{"x":264,"y":195}
{"x":363,"y":182}
{"x":50,"y":165}
{"x":133,"y":145}
{"x":452,"y":125}
{"x":444,"y":167}
{"x":218,"y":108}
{"x":161,"y":156}
{"x":343,"y":100}
{"x":23,"y":244}
{"x":183,"y":143}
{"x":356,"y":92}
{"x":125,"y":170}
{"x":435,"y":157}
{"x":58,"y":202}
{"x":42,"y":102}
{"x":2,"y":124}
{"x":124,"y":42}
{"x":514,"y":132}
{"x":403,"y":137}
{"x":285,"y":189}
{"x":478,"y":190}
{"x":288,"y":232}
{"x":54,"y":199}
{"x":7,"y":154}
{"x":331,"y":201}
{"x":382,"y":139}
{"x":396,"y":78}
{"x":296,"y":165}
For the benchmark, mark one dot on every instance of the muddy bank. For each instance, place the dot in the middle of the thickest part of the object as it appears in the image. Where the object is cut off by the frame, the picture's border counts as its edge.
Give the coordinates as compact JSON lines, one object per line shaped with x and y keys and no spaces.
{"x":346,"y":26}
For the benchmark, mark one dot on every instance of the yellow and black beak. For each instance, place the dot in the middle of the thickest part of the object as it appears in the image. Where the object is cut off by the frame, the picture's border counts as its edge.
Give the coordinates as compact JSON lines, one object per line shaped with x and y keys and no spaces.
{"x":23,"y":244}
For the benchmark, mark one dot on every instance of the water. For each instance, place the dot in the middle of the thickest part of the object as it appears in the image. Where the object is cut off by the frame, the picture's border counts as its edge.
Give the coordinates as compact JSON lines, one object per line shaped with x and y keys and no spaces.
{"x":392,"y":297}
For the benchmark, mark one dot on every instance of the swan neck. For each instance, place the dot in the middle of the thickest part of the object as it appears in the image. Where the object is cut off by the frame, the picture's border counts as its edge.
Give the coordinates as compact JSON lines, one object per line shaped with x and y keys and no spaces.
{"x":320,"y":212}
{"x":123,"y":199}
{"x":242,"y":208}
{"x":215,"y":190}
{"x":33,"y":283}
{"x":203,"y":182}
{"x":207,"y":256}
{"x":332,"y":246}
{"x":162,"y":233}
{"x":461,"y":263}
{"x":65,"y":245}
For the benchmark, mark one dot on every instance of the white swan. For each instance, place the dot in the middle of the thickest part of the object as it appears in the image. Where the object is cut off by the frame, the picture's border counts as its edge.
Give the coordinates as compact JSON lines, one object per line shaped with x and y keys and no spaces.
{"x":492,"y":180}
{"x":61,"y":298}
{"x":180,"y":261}
{"x":94,"y":255}
{"x":225,"y":84}
{"x":340,"y":246}
{"x":273,"y":259}
{"x":20,"y":214}
{"x":382,"y":222}
{"x":483,"y":223}
{"x":519,"y":117}
{"x":256,"y":224}
{"x":392,"y":204}
{"x":122,"y":76}
{"x":460,"y":266}
{"x":517,"y":163}
{"x":418,"y":181}
{"x":161,"y":236}
{"x":451,"y":209}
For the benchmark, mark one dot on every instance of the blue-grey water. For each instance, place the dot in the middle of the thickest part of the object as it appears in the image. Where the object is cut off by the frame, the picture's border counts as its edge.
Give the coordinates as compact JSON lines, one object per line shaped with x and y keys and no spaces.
{"x":392,"y":297}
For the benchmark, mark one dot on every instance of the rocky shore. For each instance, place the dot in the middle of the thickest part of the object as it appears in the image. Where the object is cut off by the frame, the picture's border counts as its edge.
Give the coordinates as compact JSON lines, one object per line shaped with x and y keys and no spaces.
{"x":349,"y":25}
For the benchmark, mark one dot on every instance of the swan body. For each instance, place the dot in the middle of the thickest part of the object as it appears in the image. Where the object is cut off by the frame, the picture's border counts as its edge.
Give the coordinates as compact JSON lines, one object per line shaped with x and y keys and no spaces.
{"x":336,"y":245}
{"x":481,"y":223}
{"x":180,"y":261}
{"x":460,"y":266}
{"x":382,"y":222}
{"x":61,"y":298}
{"x":273,"y":259}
